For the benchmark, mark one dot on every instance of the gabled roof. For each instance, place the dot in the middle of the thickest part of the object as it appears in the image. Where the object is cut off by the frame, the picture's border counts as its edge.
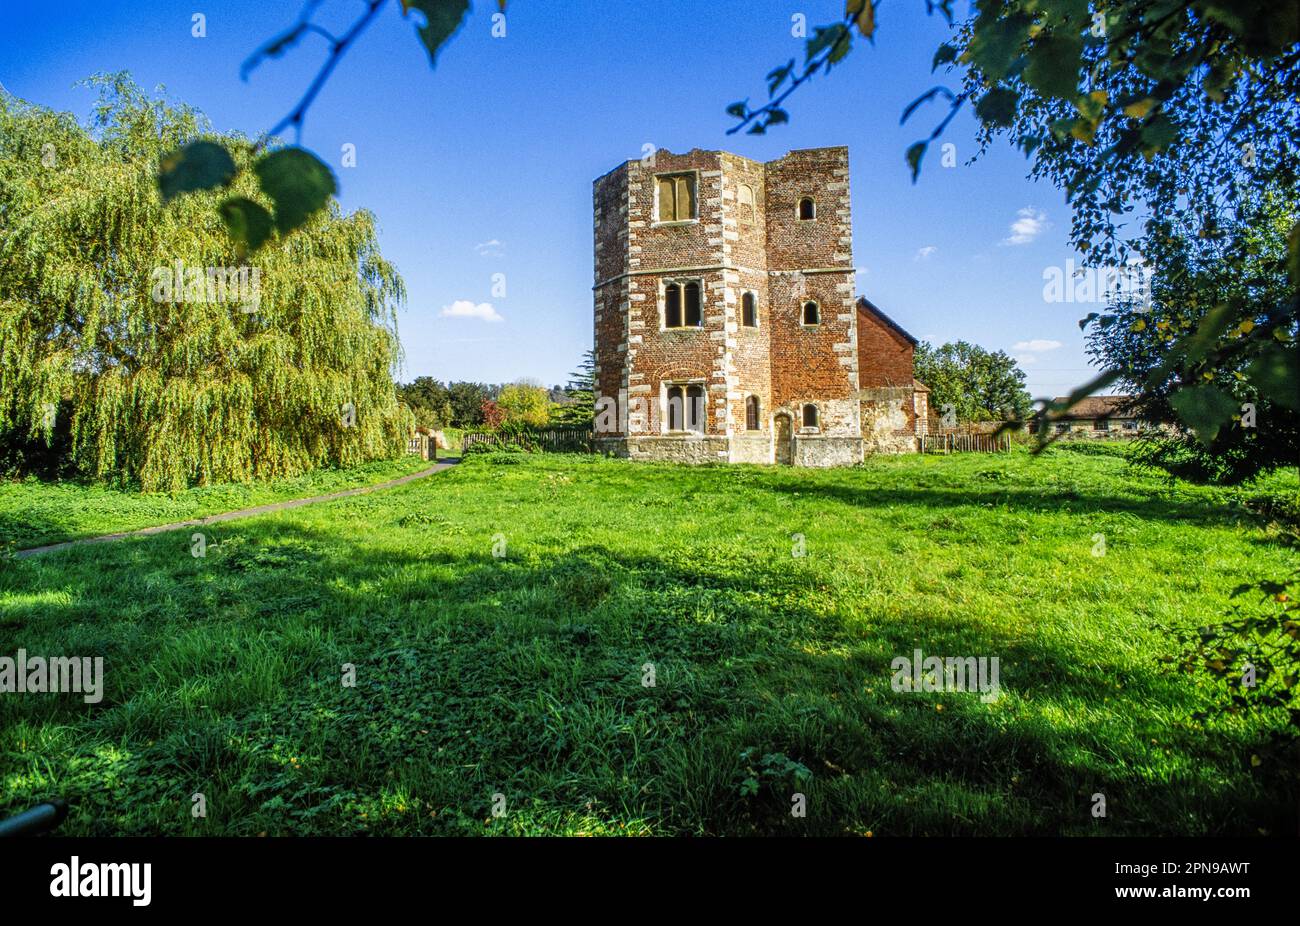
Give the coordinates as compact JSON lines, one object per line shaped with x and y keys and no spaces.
{"x":1099,"y":406}
{"x":866,"y":305}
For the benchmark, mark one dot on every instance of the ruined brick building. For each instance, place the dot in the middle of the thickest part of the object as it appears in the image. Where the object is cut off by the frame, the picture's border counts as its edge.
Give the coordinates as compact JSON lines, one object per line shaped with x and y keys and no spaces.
{"x":727,"y":324}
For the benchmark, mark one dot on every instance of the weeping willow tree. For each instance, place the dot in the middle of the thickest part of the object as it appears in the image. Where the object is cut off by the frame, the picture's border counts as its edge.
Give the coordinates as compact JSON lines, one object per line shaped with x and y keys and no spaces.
{"x":137,"y":338}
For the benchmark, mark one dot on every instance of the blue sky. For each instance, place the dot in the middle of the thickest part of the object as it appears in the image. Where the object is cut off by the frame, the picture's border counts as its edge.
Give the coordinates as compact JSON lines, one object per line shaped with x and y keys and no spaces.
{"x":484,"y":165}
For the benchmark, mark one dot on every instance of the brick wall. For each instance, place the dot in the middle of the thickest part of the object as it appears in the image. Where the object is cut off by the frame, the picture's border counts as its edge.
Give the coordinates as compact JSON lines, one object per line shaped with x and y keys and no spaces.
{"x":781,"y":259}
{"x":885,"y":357}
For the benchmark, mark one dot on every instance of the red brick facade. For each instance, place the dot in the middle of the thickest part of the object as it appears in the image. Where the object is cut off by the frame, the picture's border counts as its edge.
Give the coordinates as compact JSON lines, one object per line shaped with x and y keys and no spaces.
{"x":724,"y":226}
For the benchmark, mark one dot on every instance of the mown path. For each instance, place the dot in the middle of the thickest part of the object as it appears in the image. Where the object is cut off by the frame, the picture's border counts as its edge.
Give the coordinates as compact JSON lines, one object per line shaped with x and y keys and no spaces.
{"x":243,"y":512}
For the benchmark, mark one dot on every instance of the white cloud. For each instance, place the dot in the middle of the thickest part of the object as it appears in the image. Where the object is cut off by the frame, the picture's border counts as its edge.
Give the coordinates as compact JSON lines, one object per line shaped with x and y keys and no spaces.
{"x":493,"y":248}
{"x":925,"y":252}
{"x":1029,"y":224}
{"x":464,"y":308}
{"x":1037,"y":345}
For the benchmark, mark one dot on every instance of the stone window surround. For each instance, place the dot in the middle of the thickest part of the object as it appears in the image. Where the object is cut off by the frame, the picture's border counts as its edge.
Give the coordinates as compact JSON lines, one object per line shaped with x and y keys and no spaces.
{"x":741,"y":204}
{"x":804,"y":302}
{"x":743,"y":294}
{"x":809,"y":429}
{"x":664,"y":283}
{"x":664,"y":386}
{"x":654,"y":200}
{"x":798,"y":207}
{"x":758,"y":414}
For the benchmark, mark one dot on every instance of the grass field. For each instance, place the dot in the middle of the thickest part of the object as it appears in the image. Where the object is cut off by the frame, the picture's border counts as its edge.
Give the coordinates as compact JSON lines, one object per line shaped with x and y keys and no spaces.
{"x":33,"y":513}
{"x":522,"y":675}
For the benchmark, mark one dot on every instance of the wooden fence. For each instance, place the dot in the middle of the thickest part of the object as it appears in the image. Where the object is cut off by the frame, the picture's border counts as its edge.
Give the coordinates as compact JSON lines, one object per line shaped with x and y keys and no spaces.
{"x":559,"y":439}
{"x":965,"y":442}
{"x":423,"y":446}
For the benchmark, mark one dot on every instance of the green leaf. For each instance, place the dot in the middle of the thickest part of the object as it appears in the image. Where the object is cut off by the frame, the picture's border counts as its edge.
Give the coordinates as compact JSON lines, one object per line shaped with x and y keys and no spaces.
{"x":914,"y":155}
{"x":946,"y":54}
{"x":824,"y":37}
{"x":779,"y":76}
{"x":843,"y":45}
{"x":998,"y":107}
{"x":200,"y":165}
{"x":297,"y":182}
{"x":1204,"y":409}
{"x":996,"y":44}
{"x":442,"y":18}
{"x":1053,"y":67}
{"x":248,"y":223}
{"x":1276,"y":374}
{"x":1158,"y":134}
{"x":1062,"y":128}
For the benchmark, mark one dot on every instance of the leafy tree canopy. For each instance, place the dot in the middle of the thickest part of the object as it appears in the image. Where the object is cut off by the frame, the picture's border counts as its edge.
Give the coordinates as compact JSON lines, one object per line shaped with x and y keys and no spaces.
{"x":138,"y":330}
{"x":969,"y":383}
{"x":524,"y":403}
{"x":1251,"y":383}
{"x":581,"y":392}
{"x":1166,"y":122}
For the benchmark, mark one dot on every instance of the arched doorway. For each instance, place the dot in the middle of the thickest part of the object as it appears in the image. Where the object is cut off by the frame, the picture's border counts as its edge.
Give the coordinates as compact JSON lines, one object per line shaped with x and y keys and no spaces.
{"x":783,"y":429}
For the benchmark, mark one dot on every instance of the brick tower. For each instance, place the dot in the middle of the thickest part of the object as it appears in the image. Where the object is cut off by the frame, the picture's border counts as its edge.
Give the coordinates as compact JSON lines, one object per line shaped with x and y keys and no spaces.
{"x":726,"y":327}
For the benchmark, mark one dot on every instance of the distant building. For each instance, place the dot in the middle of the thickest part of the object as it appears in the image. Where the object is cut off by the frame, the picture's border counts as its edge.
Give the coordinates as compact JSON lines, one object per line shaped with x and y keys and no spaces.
{"x":1100,"y":417}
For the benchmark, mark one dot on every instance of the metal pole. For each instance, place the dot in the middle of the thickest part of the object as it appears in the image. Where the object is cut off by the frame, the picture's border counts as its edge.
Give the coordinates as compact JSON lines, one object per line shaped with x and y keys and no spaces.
{"x":39,"y":819}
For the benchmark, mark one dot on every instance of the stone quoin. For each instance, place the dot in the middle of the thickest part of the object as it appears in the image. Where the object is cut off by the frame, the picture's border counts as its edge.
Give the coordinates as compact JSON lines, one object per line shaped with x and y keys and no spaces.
{"x":727,"y":327}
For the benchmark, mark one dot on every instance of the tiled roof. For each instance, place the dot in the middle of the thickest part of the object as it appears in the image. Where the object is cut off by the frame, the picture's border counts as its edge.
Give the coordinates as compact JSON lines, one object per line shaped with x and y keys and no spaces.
{"x":1100,"y":406}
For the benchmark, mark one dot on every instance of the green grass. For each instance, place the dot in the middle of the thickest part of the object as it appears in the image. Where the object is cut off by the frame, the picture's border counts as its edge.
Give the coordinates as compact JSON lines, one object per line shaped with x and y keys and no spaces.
{"x":34,"y":513}
{"x":522,"y":675}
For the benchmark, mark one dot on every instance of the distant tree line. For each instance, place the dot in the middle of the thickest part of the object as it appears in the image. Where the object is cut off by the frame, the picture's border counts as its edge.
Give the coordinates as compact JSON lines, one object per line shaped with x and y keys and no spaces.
{"x":437,"y":404}
{"x":969,"y":383}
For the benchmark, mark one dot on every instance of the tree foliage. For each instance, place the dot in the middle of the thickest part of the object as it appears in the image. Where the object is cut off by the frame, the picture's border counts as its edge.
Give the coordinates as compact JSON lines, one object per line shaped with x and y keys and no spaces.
{"x":524,"y":403}
{"x":581,"y":393}
{"x":159,"y":376}
{"x":298,"y":183}
{"x":1165,"y":122}
{"x":429,"y":400}
{"x":973,"y":383}
{"x":1251,"y":382}
{"x":1255,"y":648}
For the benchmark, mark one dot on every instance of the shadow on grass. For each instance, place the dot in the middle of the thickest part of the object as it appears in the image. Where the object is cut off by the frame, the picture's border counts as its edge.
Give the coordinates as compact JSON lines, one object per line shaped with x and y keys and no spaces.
{"x":527,"y":678}
{"x":1065,"y":500}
